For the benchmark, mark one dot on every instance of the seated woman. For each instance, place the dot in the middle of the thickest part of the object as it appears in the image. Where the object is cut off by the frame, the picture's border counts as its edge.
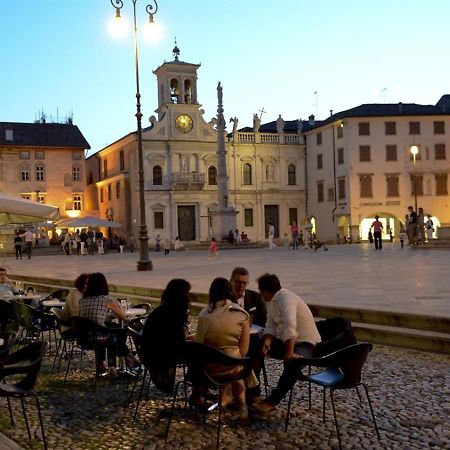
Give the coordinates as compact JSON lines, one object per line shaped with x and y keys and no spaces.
{"x":72,"y":303}
{"x":225,"y":325}
{"x":96,"y":305}
{"x":166,"y":325}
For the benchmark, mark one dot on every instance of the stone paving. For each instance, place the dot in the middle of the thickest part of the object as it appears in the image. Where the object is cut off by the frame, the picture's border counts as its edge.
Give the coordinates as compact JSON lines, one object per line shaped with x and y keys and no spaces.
{"x":407,"y":280}
{"x":410,"y":392}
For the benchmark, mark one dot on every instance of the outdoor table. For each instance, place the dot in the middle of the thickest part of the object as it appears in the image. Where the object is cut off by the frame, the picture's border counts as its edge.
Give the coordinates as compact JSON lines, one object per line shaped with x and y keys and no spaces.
{"x":53,"y":302}
{"x":135,"y":312}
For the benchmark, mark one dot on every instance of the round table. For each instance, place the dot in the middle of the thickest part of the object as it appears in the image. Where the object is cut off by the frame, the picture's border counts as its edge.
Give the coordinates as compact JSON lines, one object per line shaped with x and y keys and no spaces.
{"x":54,"y":302}
{"x":135,"y":312}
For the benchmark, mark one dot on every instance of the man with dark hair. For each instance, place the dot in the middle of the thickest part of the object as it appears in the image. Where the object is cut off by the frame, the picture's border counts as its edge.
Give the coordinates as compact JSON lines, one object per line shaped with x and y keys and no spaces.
{"x":254,"y":304}
{"x":411,"y":227}
{"x":290,"y":333}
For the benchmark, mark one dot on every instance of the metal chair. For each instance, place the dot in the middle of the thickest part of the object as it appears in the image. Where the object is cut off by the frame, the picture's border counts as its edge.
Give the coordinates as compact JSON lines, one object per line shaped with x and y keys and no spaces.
{"x":60,"y":294}
{"x":198,"y":358}
{"x":26,"y":361}
{"x":341,"y":370}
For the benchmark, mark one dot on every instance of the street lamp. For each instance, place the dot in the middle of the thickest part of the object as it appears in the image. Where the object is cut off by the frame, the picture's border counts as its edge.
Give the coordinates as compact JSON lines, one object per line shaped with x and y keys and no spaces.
{"x":414,"y":152}
{"x":144,"y":263}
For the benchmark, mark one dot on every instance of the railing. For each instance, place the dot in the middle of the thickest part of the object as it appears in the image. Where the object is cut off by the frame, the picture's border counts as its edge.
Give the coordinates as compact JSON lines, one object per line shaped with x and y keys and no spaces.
{"x":193,"y":177}
{"x":291,"y":139}
{"x":246,"y":137}
{"x":269,"y":138}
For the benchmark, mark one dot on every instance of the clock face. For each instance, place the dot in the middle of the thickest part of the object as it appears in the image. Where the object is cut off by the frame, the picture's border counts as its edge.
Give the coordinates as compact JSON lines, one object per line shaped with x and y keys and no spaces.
{"x":184,"y":123}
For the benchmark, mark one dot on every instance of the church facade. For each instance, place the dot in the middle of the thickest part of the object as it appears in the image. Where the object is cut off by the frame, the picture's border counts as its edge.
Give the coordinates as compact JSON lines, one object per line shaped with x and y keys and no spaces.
{"x":266,"y":182}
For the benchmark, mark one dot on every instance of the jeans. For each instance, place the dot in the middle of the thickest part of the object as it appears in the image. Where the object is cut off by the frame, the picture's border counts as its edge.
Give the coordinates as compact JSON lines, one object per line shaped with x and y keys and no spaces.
{"x":377,"y":238}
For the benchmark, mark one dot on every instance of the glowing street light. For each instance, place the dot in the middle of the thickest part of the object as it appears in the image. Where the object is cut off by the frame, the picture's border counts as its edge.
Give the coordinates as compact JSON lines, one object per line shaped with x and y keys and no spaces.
{"x":414,"y":149}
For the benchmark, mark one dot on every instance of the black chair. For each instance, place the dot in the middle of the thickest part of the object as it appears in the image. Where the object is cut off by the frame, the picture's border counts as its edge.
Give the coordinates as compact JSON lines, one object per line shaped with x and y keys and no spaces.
{"x":8,"y":340}
{"x":85,"y":330}
{"x":8,"y":320}
{"x":198,"y":357}
{"x":341,"y":370}
{"x":67,"y":336}
{"x":336,"y":333}
{"x":37,"y":322}
{"x":26,"y":361}
{"x":60,"y":294}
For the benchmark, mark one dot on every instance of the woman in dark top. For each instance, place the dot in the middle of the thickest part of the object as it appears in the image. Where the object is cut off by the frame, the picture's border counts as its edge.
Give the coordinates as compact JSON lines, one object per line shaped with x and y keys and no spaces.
{"x":167,"y":325}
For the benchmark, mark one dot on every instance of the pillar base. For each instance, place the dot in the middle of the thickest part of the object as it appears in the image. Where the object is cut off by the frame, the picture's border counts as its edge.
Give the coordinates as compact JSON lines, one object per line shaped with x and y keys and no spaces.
{"x":143,"y":266}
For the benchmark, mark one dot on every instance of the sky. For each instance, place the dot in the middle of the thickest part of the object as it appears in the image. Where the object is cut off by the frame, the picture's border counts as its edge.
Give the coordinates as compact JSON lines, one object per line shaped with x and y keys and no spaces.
{"x":288,"y":57}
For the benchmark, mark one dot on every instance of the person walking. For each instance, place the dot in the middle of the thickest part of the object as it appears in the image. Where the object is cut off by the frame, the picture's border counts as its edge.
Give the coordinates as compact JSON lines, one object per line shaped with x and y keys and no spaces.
{"x":166,"y":247}
{"x":18,"y":245}
{"x":28,"y":235}
{"x":377,"y":229}
{"x":213,"y":251}
{"x":271,"y":234}
{"x":402,"y":237}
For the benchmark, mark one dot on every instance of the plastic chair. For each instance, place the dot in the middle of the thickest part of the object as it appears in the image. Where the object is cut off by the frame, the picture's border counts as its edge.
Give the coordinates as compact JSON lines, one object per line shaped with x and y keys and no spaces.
{"x":342,"y":370}
{"x":26,"y":361}
{"x":60,"y":294}
{"x":85,"y":331}
{"x":9,"y":338}
{"x":38,"y":322}
{"x":67,"y":335}
{"x":198,"y":357}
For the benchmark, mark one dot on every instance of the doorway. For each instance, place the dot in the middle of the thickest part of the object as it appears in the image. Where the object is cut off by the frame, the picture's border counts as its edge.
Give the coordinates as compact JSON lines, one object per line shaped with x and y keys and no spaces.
{"x":186,"y":222}
{"x":271,"y":216}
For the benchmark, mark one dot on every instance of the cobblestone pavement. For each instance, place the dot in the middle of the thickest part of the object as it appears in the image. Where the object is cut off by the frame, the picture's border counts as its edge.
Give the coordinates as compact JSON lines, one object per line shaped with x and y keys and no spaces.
{"x":355,"y":275}
{"x":410,"y":392}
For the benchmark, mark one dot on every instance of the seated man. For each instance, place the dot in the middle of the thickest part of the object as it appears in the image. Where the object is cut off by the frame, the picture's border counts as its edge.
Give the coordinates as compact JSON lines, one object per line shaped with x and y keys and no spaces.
{"x":254,"y":304}
{"x":6,"y":285}
{"x":290,"y":334}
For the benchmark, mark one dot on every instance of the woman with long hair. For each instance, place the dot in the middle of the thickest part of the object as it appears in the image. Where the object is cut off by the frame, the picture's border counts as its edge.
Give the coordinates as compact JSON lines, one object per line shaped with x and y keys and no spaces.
{"x":225,"y":325}
{"x":96,"y":305}
{"x":166,"y":326}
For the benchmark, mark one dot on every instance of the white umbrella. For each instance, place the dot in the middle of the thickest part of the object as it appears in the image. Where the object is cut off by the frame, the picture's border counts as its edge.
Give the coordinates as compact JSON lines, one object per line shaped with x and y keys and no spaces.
{"x":18,"y":210}
{"x":85,"y":222}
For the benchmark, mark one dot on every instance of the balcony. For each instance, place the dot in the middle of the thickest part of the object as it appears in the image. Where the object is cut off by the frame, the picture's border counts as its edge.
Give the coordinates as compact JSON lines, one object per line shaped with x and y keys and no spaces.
{"x":182,"y":181}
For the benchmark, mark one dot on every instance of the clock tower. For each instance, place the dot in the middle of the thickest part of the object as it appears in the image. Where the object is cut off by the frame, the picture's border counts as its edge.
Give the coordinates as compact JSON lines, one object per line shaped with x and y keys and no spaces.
{"x":177,"y":96}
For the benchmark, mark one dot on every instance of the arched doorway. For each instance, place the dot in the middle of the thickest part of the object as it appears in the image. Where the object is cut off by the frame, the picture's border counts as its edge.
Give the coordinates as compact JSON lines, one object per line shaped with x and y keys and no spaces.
{"x":391,"y":225}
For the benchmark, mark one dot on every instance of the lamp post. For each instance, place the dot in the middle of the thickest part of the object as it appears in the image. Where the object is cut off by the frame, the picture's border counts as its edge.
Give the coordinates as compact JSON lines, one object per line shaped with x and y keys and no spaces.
{"x":414,"y":152}
{"x":144,"y":263}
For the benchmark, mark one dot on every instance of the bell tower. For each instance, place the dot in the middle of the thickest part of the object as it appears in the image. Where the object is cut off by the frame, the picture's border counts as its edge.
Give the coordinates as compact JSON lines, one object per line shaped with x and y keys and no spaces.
{"x":177,"y":83}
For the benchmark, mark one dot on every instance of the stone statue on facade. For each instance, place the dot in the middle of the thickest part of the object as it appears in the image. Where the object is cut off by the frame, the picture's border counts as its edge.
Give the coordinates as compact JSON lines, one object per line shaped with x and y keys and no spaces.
{"x":299,"y":126}
{"x":256,"y":123}
{"x":280,"y":124}
{"x":235,"y":121}
{"x":269,"y":173}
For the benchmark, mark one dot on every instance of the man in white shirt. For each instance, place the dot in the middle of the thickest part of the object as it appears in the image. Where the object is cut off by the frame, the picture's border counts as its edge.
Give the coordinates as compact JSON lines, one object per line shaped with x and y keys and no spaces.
{"x":290,"y":334}
{"x":271,"y":234}
{"x":6,"y":286}
{"x":28,"y":235}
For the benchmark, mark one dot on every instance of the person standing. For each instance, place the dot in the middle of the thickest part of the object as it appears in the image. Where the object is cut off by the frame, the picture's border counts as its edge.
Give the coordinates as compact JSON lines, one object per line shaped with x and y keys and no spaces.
{"x":412,"y":226}
{"x":18,"y":245}
{"x":158,"y":243}
{"x":166,"y":247}
{"x":271,"y":234}
{"x":420,"y":226}
{"x":295,"y":235}
{"x":83,"y":241}
{"x":377,"y":229}
{"x":429,"y":228}
{"x":290,"y":333}
{"x":253,"y":303}
{"x":28,"y":235}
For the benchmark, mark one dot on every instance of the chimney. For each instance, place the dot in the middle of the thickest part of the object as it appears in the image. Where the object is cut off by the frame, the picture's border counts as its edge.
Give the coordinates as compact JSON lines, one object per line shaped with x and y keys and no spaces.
{"x":9,"y":134}
{"x":331,"y":112}
{"x":311,"y":120}
{"x":400,"y":107}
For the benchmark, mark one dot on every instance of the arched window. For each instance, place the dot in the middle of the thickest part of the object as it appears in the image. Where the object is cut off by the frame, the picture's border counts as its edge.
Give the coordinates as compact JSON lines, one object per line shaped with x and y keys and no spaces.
{"x":157,"y":176}
{"x":212,"y":176}
{"x":247,"y":171}
{"x":174,"y":91}
{"x":187,"y":91}
{"x":291,"y":175}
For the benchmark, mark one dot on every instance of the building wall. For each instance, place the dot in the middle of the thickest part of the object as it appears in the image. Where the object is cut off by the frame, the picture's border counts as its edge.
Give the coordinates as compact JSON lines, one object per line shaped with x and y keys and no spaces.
{"x":57,"y":187}
{"x":354,"y":208}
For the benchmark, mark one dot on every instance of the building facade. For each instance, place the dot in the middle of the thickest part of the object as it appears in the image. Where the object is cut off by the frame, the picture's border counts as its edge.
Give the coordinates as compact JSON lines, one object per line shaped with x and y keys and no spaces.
{"x":266,"y":181}
{"x":359,"y":164}
{"x":44,"y":162}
